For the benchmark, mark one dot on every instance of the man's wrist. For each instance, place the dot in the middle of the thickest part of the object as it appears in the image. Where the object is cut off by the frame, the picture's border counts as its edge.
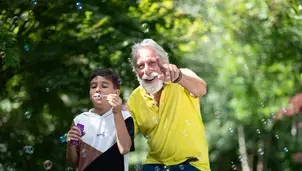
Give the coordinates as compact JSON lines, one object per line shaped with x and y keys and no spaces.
{"x":179,"y":77}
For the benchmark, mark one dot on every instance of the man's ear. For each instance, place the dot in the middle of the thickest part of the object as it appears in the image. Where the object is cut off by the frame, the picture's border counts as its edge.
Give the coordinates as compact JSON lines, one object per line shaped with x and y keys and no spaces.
{"x":117,"y":91}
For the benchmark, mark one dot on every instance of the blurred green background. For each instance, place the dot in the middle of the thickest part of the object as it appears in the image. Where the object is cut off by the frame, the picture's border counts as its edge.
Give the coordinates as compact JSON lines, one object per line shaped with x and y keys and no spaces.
{"x":248,"y":52}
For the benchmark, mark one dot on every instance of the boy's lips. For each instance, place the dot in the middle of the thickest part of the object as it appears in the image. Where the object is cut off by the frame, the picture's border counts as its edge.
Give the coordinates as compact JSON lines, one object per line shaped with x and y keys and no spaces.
{"x":98,"y":96}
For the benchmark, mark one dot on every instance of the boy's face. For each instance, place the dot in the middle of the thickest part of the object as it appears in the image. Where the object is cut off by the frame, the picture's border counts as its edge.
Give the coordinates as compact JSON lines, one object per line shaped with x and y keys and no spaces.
{"x":102,"y":86}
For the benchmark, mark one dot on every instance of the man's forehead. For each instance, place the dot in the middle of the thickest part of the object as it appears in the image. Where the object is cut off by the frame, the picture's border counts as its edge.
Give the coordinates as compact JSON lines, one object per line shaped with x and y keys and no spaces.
{"x":146,"y":58}
{"x":146,"y":51}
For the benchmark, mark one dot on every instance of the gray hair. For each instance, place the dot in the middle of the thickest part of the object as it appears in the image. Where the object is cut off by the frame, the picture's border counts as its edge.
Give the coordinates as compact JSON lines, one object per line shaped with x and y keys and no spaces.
{"x":161,"y":53}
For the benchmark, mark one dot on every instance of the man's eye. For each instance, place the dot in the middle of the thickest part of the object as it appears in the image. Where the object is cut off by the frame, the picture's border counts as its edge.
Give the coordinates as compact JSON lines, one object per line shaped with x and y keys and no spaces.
{"x":105,"y":86}
{"x":140,"y":66}
{"x":152,"y":63}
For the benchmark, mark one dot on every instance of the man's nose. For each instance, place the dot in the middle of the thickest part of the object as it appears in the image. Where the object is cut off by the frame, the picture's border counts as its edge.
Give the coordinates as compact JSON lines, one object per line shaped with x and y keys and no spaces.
{"x":147,"y":70}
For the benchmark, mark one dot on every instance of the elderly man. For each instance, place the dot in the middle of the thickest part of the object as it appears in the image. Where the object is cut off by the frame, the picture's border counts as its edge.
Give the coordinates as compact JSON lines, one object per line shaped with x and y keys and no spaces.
{"x":165,"y":109}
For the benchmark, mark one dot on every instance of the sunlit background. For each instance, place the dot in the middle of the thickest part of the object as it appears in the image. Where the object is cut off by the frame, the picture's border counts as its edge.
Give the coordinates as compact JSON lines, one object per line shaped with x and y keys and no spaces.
{"x":248,"y":52}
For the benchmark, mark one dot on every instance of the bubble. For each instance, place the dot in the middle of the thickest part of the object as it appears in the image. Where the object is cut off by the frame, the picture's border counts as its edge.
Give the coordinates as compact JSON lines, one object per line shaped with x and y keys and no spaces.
{"x":130,"y":60}
{"x":16,"y":98}
{"x":145,"y":27}
{"x":269,"y":121}
{"x":15,"y":19}
{"x":79,"y":6}
{"x":47,"y":89}
{"x":10,"y":168}
{"x":300,"y":7}
{"x":234,"y":167}
{"x":24,"y":16}
{"x":262,"y":104}
{"x":2,"y":54}
{"x":260,"y":151}
{"x":240,"y":159}
{"x":231,"y":130}
{"x":47,"y":164}
{"x":3,"y":148}
{"x":119,"y":81}
{"x":214,"y":5}
{"x":155,"y":119}
{"x":63,"y":138}
{"x":185,"y":133}
{"x":217,"y":114}
{"x":166,"y":168}
{"x":199,"y":158}
{"x":258,"y":131}
{"x":285,"y":149}
{"x":28,"y":149}
{"x":27,"y":115}
{"x":34,"y":2}
{"x":195,"y":91}
{"x":68,"y":169}
{"x":26,"y":47}
{"x":13,"y":26}
{"x":4,"y":119}
{"x":187,"y":122}
{"x":218,"y":122}
{"x":137,"y":167}
{"x":84,"y":152}
{"x":277,"y":136}
{"x":113,"y":35}
{"x":283,"y":110}
{"x":181,"y":167}
{"x":246,"y":67}
{"x":157,"y":168}
{"x":229,"y":50}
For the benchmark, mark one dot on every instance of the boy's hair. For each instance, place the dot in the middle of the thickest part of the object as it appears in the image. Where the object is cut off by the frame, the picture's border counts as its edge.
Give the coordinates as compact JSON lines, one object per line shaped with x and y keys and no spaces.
{"x":108,"y":74}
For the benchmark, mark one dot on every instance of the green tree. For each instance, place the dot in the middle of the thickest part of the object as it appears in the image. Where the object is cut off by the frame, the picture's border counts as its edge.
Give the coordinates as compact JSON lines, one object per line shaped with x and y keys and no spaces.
{"x":49,"y":48}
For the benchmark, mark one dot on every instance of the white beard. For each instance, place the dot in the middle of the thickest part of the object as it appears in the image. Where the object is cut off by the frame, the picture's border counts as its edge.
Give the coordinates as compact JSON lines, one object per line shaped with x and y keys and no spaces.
{"x":151,"y":88}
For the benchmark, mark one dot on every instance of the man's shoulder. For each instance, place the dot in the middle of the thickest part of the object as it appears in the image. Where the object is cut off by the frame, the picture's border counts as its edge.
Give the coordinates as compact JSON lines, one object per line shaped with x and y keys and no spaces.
{"x":137,"y":90}
{"x":135,"y":93}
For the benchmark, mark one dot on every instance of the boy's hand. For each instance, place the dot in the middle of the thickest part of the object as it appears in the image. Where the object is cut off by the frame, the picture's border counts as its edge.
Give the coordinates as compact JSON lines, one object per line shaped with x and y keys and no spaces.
{"x":116,"y":102}
{"x":74,"y":134}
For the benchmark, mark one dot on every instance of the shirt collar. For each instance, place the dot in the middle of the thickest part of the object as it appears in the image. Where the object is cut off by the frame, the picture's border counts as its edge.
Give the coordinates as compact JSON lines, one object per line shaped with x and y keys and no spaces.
{"x":92,"y":114}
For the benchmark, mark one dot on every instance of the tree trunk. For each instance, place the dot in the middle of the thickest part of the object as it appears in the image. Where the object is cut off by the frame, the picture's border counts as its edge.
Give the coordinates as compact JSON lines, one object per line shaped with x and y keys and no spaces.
{"x":242,"y":149}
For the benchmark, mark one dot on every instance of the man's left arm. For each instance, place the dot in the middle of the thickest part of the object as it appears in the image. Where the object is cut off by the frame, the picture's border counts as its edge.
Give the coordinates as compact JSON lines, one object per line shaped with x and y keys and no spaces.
{"x":192,"y":83}
{"x":185,"y":77}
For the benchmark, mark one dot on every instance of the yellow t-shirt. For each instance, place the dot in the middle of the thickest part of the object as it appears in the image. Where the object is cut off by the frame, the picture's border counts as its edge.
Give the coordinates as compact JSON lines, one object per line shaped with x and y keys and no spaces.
{"x":174,"y":130}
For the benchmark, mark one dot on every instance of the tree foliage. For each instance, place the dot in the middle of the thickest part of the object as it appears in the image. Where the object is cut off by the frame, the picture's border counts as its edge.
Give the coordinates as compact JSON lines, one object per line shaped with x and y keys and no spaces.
{"x":248,"y":52}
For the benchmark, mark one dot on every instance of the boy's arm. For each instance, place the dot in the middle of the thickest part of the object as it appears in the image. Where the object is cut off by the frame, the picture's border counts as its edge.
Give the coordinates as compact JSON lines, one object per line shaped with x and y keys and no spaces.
{"x":72,"y":154}
{"x":130,"y":127}
{"x":124,"y":141}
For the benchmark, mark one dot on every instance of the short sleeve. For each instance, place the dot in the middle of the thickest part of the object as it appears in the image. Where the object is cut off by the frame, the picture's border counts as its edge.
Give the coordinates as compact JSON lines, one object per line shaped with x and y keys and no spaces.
{"x":136,"y":130}
{"x":130,"y":128}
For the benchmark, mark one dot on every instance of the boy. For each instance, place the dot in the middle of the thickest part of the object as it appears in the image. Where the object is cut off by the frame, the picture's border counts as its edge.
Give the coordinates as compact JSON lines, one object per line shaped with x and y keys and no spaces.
{"x":108,"y":130}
